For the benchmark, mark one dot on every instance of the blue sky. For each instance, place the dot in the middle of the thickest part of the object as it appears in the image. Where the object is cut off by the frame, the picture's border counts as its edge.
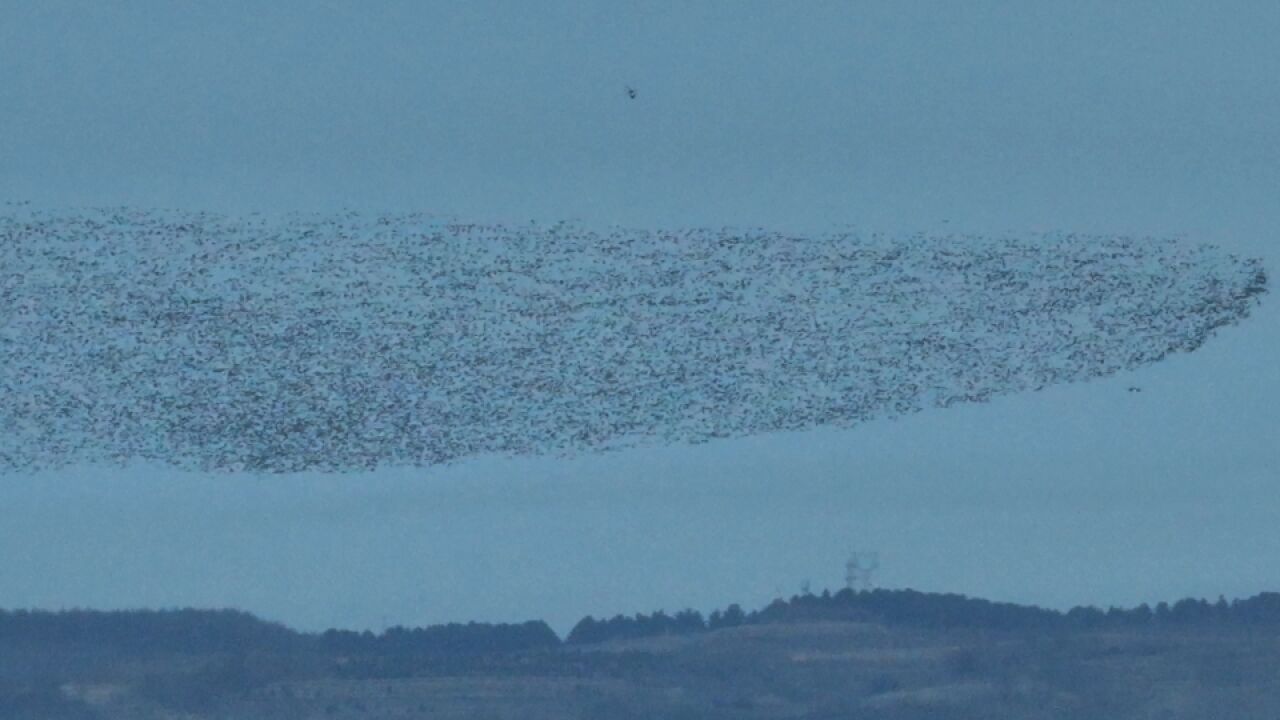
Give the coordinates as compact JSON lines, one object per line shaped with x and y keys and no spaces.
{"x":1142,"y":118}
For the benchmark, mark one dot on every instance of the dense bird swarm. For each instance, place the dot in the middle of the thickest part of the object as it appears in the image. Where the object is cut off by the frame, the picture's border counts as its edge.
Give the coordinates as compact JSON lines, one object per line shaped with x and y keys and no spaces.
{"x":345,"y":342}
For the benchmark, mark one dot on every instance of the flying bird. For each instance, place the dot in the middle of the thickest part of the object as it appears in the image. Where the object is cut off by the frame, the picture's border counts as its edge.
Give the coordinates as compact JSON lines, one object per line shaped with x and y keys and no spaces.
{"x":631,"y":92}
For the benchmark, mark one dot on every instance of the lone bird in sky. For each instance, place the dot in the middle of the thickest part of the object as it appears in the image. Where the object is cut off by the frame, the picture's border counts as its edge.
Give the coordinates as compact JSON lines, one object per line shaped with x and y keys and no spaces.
{"x":631,"y":92}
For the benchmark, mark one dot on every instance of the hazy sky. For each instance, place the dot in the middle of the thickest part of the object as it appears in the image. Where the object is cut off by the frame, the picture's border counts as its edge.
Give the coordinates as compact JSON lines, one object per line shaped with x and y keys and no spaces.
{"x":1146,"y":118}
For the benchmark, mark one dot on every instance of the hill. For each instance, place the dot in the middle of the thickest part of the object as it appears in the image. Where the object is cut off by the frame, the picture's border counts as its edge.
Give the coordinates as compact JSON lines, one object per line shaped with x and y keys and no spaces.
{"x":887,"y":655}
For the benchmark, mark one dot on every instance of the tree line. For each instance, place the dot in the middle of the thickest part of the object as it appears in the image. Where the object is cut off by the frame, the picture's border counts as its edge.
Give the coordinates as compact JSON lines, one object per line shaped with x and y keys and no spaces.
{"x":936,"y":611}
{"x":232,"y":631}
{"x":454,"y":638}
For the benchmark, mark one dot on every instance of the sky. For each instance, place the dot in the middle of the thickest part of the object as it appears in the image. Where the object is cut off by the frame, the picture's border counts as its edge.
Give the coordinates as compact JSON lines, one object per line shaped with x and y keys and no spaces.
{"x":983,"y":117}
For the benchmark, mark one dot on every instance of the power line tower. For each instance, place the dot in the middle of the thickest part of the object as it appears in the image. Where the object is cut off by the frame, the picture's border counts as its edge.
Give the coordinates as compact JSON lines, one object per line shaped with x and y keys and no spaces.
{"x":858,"y":571}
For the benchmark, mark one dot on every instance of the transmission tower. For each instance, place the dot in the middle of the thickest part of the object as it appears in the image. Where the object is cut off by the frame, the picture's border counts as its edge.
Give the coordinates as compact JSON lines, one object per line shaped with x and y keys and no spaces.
{"x":858,"y":571}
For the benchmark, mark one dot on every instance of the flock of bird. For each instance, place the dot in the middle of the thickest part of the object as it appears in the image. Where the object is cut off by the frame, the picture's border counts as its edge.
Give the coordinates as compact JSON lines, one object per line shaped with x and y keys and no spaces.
{"x":349,"y":342}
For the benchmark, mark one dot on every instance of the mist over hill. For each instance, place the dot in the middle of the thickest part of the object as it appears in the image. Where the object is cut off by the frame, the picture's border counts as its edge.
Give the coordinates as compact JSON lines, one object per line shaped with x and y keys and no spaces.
{"x":347,"y":341}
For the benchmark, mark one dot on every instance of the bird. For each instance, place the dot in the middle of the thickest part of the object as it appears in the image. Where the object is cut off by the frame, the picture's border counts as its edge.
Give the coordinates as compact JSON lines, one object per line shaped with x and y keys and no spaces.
{"x":631,"y":92}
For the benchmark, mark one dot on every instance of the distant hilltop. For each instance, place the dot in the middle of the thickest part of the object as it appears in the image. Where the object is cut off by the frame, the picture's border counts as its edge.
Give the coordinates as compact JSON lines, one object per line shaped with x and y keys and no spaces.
{"x":218,"y":631}
{"x":888,"y":654}
{"x":349,"y":342}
